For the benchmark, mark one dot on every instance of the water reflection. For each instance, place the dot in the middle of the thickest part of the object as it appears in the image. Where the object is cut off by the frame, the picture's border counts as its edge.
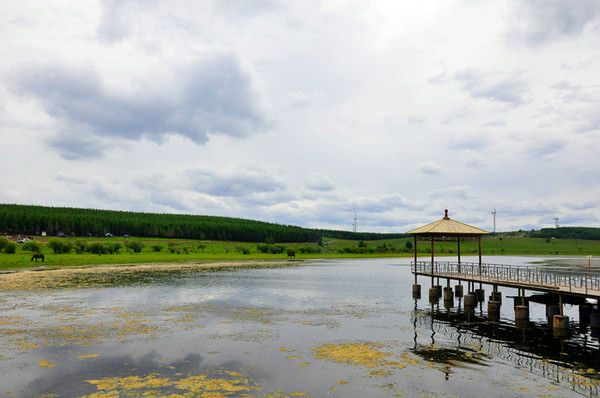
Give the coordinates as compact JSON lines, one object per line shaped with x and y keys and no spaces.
{"x":472,"y":338}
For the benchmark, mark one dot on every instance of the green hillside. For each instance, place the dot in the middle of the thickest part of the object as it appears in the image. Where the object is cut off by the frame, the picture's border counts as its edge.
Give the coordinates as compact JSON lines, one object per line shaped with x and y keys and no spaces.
{"x":32,"y":220}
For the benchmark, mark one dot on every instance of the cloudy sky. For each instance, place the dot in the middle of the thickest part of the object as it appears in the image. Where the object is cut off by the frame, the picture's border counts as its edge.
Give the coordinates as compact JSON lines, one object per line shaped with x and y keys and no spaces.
{"x":305,"y":112}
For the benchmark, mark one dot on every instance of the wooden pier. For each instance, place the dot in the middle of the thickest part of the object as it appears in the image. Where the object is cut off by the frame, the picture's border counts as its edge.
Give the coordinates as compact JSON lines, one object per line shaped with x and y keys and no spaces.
{"x":558,"y":280}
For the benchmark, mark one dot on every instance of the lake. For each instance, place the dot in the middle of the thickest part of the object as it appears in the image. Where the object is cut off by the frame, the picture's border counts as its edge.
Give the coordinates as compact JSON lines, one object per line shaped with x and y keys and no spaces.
{"x":339,"y":328}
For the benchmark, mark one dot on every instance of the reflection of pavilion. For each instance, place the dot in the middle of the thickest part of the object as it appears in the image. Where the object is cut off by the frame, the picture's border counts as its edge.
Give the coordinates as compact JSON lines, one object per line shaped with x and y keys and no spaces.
{"x":532,"y":349}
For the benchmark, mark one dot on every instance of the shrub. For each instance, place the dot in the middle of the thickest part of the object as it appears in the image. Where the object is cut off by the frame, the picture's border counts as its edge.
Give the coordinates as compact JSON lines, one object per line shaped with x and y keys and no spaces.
{"x":97,"y":248}
{"x":10,"y":247}
{"x":276,"y":249}
{"x":157,"y":248}
{"x":3,"y":242}
{"x":135,"y":246}
{"x":59,"y":246}
{"x":245,"y":250}
{"x":32,"y":246}
{"x":80,"y":246}
{"x":202,"y":246}
{"x":112,"y":248}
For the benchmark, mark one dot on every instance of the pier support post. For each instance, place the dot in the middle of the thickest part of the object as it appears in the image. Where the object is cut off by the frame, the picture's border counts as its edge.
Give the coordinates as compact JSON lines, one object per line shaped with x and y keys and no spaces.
{"x":496,"y":296}
{"x":494,"y":310}
{"x":458,"y":290}
{"x":521,"y":313}
{"x":438,"y":287}
{"x":560,"y":326}
{"x":434,"y":296}
{"x":416,"y":291}
{"x":448,"y":293}
{"x":560,"y":322}
{"x":470,"y":300}
{"x":480,"y":293}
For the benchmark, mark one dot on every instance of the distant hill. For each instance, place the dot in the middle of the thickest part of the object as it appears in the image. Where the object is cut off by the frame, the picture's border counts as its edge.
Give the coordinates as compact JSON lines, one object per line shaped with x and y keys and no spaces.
{"x":568,"y":233}
{"x":32,"y":220}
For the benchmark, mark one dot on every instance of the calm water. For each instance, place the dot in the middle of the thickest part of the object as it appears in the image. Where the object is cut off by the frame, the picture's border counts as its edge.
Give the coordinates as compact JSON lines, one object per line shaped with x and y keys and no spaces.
{"x":342,"y":328}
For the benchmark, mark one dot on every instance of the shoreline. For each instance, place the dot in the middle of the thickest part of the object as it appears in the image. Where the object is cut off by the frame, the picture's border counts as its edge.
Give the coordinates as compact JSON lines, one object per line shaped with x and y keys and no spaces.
{"x":110,"y":274}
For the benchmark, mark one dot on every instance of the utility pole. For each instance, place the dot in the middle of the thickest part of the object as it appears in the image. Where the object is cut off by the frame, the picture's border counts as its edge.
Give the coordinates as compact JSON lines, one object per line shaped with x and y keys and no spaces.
{"x":494,"y":213}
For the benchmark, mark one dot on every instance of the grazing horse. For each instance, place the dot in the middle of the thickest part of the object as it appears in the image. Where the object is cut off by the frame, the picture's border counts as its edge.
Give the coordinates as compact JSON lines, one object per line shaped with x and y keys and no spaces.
{"x":36,"y":256}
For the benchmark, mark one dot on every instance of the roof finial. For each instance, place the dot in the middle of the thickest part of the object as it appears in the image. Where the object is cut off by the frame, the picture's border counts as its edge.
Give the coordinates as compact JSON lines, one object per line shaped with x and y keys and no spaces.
{"x":446,"y":215}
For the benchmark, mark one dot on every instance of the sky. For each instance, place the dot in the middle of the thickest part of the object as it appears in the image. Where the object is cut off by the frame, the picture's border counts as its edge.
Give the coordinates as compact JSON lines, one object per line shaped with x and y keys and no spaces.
{"x":306,"y":112}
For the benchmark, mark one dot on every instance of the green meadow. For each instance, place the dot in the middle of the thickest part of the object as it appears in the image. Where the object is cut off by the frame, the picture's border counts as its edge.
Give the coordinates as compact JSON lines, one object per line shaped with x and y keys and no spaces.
{"x":118,"y":250}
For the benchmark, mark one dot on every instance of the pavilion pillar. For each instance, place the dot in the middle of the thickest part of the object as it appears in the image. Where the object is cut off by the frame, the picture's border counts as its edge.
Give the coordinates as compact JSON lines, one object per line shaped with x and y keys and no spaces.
{"x":415,"y":259}
{"x":458,"y":254}
{"x":432,"y":256}
{"x":479,"y":240}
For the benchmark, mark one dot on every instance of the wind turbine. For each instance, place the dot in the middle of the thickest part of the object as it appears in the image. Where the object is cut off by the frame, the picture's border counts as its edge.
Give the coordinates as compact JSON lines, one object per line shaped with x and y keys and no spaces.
{"x":494,"y":213}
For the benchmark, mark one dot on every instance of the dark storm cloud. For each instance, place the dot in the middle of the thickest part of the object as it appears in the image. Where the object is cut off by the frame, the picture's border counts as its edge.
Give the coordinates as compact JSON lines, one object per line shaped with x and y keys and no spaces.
{"x":541,"y":21}
{"x":504,"y":89}
{"x":212,"y":96}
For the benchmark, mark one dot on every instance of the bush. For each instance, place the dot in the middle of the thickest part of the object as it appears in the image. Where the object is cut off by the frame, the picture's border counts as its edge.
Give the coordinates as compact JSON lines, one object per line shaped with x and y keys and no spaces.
{"x":112,"y":248}
{"x":32,"y":246}
{"x":59,"y":246}
{"x":135,"y":246}
{"x":3,"y":242}
{"x":80,"y":246}
{"x":245,"y":250}
{"x":276,"y":249}
{"x":10,"y":247}
{"x":97,"y":248}
{"x":157,"y":248}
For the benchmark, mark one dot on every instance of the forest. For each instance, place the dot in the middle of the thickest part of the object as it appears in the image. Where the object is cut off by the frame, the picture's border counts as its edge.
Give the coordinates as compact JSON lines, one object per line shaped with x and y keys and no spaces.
{"x":64,"y":221}
{"x":568,"y":233}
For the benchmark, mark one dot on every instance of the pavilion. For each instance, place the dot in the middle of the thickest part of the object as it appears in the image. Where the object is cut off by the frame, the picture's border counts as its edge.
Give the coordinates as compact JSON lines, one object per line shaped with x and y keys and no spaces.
{"x":446,"y":230}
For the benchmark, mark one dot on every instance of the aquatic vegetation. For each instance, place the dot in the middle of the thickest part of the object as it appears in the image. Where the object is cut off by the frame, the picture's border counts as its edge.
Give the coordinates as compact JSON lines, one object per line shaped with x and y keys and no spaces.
{"x":191,"y":386}
{"x":363,"y":354}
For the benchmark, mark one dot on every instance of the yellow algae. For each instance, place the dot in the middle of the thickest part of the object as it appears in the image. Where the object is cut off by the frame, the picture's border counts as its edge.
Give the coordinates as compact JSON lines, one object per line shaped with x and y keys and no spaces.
{"x":282,"y":349}
{"x":293,"y":357}
{"x":46,"y":364}
{"x":342,"y":382}
{"x":304,"y":364}
{"x":298,"y":394}
{"x":87,"y":356}
{"x":353,"y":354}
{"x":152,"y":385}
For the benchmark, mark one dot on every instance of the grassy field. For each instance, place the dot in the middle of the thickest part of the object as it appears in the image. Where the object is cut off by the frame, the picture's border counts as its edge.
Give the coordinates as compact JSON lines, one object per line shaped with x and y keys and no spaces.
{"x":181,"y":251}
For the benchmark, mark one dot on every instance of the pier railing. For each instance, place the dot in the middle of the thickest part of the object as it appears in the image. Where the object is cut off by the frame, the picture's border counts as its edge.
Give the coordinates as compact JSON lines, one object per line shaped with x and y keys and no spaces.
{"x":574,"y":280}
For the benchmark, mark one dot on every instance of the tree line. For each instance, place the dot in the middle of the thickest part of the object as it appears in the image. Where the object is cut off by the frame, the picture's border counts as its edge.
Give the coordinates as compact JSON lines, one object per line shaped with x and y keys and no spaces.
{"x":568,"y":233}
{"x":55,"y":221}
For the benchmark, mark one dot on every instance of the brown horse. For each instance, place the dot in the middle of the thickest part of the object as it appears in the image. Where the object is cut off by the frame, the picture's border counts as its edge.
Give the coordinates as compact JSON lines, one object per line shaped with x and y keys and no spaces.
{"x":36,"y":256}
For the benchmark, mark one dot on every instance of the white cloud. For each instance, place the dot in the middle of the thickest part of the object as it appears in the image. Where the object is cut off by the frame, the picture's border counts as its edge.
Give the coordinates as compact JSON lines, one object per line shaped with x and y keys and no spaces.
{"x":305,"y":112}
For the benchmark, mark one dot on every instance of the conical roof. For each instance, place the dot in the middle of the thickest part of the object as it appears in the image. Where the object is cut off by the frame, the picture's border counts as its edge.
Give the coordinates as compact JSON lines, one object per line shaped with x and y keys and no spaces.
{"x":447,"y":227}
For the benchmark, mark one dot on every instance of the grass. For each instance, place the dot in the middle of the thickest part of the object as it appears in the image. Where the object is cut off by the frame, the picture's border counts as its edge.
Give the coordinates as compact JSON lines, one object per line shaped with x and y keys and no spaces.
{"x":207,"y":251}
